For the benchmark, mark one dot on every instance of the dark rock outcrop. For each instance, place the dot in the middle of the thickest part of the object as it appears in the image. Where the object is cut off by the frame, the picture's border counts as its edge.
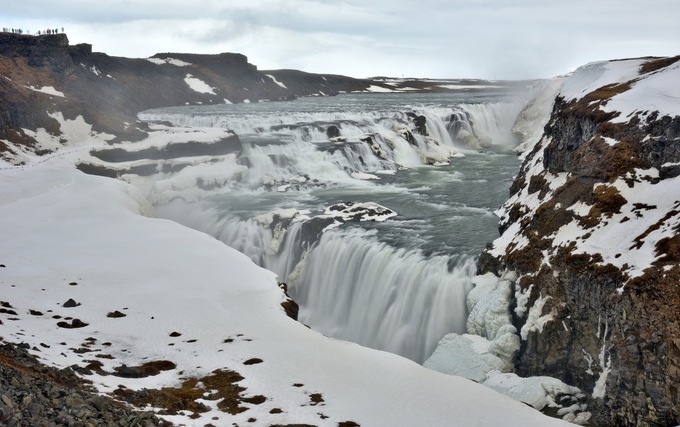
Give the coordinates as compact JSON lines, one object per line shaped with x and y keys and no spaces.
{"x":34,"y":395}
{"x":45,"y":75}
{"x":224,"y":146}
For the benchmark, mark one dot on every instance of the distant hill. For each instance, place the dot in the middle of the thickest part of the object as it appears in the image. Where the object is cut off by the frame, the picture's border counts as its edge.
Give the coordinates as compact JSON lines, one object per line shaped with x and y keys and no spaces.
{"x":44,"y":75}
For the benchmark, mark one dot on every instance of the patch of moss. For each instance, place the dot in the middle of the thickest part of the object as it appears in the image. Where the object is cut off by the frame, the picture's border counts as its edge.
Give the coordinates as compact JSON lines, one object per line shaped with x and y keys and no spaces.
{"x":606,"y":201}
{"x":664,"y":245}
{"x":657,"y":64}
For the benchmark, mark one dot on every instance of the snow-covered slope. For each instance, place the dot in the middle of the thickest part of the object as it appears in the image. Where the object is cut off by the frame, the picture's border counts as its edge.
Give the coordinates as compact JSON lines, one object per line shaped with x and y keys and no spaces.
{"x":146,"y":290}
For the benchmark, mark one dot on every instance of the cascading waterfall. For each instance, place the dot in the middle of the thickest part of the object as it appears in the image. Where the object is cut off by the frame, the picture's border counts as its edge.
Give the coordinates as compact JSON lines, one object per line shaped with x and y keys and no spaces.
{"x":496,"y":119}
{"x":397,"y":300}
{"x":355,"y":284}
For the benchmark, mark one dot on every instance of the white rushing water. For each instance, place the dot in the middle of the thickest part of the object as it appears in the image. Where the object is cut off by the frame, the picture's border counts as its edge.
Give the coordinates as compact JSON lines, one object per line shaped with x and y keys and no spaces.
{"x":371,"y":293}
{"x":398,"y":285}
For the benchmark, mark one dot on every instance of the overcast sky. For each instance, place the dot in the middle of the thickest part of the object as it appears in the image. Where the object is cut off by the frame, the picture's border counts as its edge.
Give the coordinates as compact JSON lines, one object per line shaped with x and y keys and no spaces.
{"x":491,"y":39}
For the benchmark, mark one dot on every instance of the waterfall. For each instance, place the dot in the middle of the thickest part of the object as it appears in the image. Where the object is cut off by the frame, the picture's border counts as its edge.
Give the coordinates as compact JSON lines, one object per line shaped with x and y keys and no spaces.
{"x":353,"y":283}
{"x":328,"y":146}
{"x":397,"y":300}
{"x":353,"y":286}
{"x":495,"y":119}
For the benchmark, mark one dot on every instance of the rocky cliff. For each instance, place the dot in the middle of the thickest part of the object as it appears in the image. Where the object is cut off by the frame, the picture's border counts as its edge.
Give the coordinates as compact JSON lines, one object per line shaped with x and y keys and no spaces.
{"x":592,"y":231}
{"x":43,"y":75}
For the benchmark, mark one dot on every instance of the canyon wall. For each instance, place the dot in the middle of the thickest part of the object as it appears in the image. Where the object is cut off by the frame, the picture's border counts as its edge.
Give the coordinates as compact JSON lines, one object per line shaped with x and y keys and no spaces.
{"x":592,"y":229}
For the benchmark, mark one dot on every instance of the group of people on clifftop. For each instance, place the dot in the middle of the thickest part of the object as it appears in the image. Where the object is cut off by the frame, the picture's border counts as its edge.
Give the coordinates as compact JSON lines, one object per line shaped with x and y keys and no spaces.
{"x":39,"y":33}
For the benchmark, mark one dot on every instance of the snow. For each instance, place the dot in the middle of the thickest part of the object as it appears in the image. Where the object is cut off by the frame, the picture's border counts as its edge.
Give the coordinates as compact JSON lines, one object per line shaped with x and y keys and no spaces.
{"x":276,"y":81}
{"x":656,"y":92}
{"x":71,"y":130}
{"x":610,"y":141}
{"x":199,"y":85}
{"x":597,"y":74}
{"x":616,"y":238}
{"x":267,"y":219}
{"x":379,"y":89}
{"x":367,"y":211}
{"x":171,"y":61}
{"x":461,"y":87}
{"x":621,"y":238}
{"x":84,"y":237}
{"x":50,"y":90}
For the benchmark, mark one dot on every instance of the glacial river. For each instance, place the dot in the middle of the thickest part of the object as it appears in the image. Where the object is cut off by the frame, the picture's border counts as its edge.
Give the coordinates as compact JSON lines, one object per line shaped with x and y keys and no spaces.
{"x":398,"y":285}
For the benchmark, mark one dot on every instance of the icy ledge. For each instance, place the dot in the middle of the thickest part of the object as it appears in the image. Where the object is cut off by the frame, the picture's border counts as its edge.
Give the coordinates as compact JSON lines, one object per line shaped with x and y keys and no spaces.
{"x":485,"y":354}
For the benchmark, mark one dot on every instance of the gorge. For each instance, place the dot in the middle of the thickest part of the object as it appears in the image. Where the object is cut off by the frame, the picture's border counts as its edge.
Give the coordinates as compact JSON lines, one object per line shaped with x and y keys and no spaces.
{"x":579,"y":287}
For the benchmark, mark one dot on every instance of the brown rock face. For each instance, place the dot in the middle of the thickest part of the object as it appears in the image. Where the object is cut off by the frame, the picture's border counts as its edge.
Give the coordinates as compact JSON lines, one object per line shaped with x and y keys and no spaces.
{"x":614,"y":332}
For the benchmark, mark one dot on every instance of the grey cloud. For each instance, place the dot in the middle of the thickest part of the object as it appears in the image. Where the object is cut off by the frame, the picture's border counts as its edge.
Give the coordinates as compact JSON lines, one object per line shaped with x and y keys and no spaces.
{"x":430,"y":38}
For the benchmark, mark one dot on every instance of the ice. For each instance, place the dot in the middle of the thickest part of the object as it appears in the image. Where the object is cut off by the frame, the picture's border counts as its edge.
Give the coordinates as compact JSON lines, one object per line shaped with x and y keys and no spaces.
{"x":538,"y":392}
{"x":536,"y":319}
{"x":364,"y":176}
{"x":467,"y":356}
{"x":491,"y":341}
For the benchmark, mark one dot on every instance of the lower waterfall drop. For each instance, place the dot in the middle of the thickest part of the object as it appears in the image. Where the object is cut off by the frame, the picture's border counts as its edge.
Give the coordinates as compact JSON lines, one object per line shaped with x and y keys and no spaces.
{"x":358,"y":289}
